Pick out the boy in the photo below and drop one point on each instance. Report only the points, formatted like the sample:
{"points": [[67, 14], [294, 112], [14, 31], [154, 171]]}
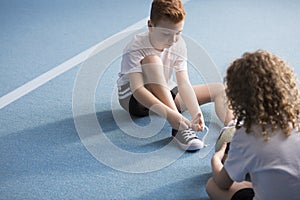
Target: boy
{"points": [[146, 78], [262, 91]]}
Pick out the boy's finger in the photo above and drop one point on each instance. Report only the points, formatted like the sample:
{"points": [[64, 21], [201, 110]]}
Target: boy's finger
{"points": [[197, 118], [184, 124], [197, 127], [201, 128]]}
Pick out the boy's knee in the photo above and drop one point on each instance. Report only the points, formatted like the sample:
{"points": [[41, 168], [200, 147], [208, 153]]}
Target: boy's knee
{"points": [[152, 59], [153, 70], [220, 87]]}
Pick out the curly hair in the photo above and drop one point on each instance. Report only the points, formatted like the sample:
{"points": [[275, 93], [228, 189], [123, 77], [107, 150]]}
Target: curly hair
{"points": [[262, 89], [167, 9]]}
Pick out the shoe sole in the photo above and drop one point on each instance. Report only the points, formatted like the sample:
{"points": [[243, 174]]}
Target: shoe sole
{"points": [[226, 135], [187, 147]]}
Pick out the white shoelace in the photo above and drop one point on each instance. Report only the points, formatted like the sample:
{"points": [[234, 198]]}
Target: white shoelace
{"points": [[206, 129], [189, 134]]}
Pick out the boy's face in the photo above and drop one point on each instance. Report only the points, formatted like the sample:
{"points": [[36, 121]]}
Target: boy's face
{"points": [[165, 33]]}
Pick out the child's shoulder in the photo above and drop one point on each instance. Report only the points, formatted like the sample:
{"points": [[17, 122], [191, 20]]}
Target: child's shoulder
{"points": [[139, 41]]}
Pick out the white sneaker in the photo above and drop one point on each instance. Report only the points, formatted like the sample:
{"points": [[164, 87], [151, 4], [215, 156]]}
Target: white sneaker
{"points": [[226, 135]]}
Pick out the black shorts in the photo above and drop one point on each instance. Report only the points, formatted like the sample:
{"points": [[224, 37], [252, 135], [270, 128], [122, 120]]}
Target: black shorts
{"points": [[138, 110], [243, 194]]}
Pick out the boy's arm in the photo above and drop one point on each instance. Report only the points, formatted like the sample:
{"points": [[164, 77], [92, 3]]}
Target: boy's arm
{"points": [[146, 98], [189, 99]]}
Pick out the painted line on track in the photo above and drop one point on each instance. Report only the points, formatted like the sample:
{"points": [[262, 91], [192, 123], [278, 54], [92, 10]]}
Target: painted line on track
{"points": [[69, 64]]}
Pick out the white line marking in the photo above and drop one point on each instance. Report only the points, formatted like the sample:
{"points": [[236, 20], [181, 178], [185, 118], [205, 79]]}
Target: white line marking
{"points": [[67, 65]]}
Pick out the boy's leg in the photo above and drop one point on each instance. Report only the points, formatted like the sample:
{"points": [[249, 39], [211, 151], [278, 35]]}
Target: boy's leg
{"points": [[155, 82], [214, 192], [131, 105], [212, 92]]}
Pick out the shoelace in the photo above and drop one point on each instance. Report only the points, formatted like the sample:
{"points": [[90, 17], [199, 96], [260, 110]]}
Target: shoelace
{"points": [[189, 134], [206, 129]]}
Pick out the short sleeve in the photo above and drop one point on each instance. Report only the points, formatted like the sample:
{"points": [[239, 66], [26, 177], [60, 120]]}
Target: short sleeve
{"points": [[236, 163], [131, 62]]}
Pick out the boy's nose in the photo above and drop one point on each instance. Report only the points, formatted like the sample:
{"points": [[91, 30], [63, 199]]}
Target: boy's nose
{"points": [[173, 38]]}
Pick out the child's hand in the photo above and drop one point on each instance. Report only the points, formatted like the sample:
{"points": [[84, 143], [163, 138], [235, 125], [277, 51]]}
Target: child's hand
{"points": [[198, 122], [178, 121], [219, 155]]}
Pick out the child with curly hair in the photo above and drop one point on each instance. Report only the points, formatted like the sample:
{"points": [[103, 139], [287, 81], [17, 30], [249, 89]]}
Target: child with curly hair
{"points": [[263, 94]]}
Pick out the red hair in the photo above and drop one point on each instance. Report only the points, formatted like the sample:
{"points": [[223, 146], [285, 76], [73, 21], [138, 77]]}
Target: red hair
{"points": [[167, 10]]}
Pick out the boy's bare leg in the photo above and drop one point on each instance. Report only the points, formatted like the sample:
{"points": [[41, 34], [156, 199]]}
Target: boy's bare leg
{"points": [[153, 71], [212, 92], [155, 82]]}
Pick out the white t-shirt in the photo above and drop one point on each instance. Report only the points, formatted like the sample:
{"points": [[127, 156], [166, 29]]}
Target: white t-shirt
{"points": [[174, 59], [274, 166]]}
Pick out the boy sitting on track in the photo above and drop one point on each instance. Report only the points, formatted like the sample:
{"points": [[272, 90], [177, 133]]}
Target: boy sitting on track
{"points": [[146, 78]]}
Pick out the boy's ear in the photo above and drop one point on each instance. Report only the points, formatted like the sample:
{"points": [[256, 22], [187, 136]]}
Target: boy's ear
{"points": [[150, 25]]}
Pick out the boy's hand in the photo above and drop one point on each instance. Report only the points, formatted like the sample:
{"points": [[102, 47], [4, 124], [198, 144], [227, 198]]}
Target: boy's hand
{"points": [[198, 122], [178, 121]]}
